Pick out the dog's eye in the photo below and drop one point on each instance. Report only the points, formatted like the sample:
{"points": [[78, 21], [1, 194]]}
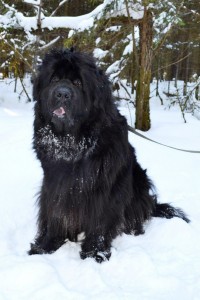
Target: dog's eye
{"points": [[77, 83], [55, 79]]}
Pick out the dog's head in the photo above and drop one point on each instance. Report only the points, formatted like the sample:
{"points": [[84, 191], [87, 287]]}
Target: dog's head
{"points": [[69, 88]]}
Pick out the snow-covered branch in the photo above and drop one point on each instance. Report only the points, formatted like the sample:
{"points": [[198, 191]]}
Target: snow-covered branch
{"points": [[32, 2], [30, 23], [78, 22]]}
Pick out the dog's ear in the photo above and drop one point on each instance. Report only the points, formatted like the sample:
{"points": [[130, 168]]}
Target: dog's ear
{"points": [[103, 90]]}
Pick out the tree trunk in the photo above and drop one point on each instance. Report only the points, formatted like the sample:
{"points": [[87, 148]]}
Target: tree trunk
{"points": [[144, 78], [176, 76], [197, 92], [186, 77]]}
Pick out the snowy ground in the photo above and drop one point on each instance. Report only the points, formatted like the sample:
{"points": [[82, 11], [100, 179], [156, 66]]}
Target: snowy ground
{"points": [[163, 264]]}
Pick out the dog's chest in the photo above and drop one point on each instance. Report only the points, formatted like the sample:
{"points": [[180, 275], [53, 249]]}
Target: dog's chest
{"points": [[64, 148]]}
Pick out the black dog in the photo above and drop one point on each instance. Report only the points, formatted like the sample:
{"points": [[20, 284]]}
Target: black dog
{"points": [[92, 180]]}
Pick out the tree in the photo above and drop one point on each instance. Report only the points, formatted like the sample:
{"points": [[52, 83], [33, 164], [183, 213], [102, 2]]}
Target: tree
{"points": [[144, 78], [133, 40]]}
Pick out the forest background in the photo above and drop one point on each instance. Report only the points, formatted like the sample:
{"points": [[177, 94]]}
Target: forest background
{"points": [[136, 42]]}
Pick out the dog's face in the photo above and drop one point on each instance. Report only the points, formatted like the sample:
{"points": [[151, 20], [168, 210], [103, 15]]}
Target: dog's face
{"points": [[70, 89], [61, 91], [63, 97]]}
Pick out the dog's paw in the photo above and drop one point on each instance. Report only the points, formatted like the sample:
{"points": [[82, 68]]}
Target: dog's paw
{"points": [[36, 249], [102, 256], [99, 256]]}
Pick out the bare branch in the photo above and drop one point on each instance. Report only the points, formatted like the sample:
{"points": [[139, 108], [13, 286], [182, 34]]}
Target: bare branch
{"points": [[174, 63], [50, 43], [59, 6]]}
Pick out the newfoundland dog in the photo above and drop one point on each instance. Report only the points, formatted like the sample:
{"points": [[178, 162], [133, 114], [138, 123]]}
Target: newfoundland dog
{"points": [[92, 181]]}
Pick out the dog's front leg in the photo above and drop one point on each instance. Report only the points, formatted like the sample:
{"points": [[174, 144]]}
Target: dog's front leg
{"points": [[96, 246]]}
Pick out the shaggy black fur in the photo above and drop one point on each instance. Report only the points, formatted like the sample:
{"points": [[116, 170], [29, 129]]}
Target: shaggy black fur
{"points": [[92, 180]]}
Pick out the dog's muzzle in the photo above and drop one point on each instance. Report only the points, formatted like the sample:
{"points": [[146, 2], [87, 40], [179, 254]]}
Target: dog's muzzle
{"points": [[62, 96]]}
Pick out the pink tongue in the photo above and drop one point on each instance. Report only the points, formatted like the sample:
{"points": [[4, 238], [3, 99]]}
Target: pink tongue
{"points": [[59, 111]]}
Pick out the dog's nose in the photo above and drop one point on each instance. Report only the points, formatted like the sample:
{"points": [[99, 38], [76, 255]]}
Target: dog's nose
{"points": [[62, 93]]}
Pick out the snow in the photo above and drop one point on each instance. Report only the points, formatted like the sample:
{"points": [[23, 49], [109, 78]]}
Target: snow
{"points": [[136, 10], [28, 23], [99, 53], [113, 28], [112, 69], [128, 49], [162, 264], [18, 20], [33, 2], [66, 148]]}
